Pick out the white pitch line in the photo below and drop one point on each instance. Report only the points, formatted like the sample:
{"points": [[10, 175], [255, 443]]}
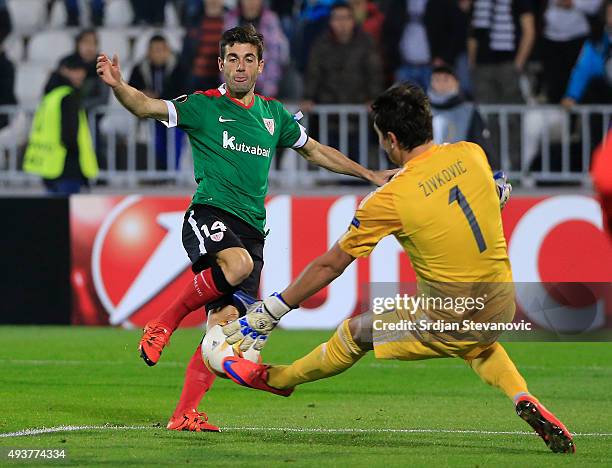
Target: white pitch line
{"points": [[376, 365], [60, 362], [110, 427], [51, 430]]}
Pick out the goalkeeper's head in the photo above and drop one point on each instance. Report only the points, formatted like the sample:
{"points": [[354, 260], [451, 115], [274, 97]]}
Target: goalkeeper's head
{"points": [[402, 119]]}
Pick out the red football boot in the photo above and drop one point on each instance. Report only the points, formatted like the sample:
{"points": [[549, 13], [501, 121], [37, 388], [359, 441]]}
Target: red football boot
{"points": [[191, 421], [156, 335], [252, 375], [548, 427]]}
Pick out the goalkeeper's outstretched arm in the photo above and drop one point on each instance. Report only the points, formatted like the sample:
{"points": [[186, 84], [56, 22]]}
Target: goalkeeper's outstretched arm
{"points": [[262, 316], [133, 100]]}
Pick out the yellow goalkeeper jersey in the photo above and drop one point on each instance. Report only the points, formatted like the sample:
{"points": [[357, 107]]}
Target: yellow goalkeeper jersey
{"points": [[443, 208]]}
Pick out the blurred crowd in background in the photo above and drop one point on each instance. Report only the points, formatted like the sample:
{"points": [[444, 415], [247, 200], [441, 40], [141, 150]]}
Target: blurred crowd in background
{"points": [[325, 51], [322, 51]]}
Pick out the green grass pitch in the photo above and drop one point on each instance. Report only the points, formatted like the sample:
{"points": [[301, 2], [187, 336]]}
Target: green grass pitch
{"points": [[60, 376]]}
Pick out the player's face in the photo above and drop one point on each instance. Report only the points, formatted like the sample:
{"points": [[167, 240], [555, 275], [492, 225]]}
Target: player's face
{"points": [[213, 4], [251, 8], [88, 47], [342, 23], [240, 68], [444, 83], [75, 76], [159, 53]]}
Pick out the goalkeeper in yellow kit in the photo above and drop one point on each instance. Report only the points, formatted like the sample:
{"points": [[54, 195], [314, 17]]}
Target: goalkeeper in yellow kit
{"points": [[443, 207]]}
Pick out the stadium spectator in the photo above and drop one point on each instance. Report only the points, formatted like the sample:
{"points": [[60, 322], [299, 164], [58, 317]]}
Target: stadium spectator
{"points": [[60, 148], [405, 42], [447, 35], [159, 77], [73, 12], [591, 78], [499, 46], [566, 27], [149, 12], [276, 54], [344, 65], [454, 118], [6, 25], [368, 17], [344, 68], [93, 92], [201, 47]]}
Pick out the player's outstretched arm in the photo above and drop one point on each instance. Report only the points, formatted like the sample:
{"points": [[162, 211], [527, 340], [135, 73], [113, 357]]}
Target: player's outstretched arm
{"points": [[333, 160], [262, 316], [133, 100]]}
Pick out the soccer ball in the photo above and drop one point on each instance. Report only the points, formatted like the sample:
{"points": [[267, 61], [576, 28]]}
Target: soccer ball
{"points": [[215, 349]]}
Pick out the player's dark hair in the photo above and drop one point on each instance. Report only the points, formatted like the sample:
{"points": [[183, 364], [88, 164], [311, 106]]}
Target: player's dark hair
{"points": [[404, 110], [340, 4], [444, 69], [85, 32], [246, 34], [157, 38], [72, 62]]}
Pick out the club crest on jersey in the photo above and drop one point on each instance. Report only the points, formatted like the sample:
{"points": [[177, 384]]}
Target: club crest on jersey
{"points": [[269, 123]]}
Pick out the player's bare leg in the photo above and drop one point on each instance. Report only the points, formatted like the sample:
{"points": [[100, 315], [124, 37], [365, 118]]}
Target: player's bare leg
{"points": [[495, 367], [352, 340], [233, 266], [198, 380]]}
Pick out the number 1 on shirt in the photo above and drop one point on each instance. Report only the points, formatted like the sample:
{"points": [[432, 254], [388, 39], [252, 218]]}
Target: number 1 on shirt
{"points": [[456, 195]]}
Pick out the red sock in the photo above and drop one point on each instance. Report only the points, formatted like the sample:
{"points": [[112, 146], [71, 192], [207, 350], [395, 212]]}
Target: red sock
{"points": [[198, 379], [196, 294]]}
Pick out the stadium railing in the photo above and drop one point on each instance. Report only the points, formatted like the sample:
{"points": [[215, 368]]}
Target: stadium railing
{"points": [[533, 144]]}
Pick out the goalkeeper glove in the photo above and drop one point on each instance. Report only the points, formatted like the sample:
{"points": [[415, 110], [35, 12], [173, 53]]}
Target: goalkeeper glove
{"points": [[260, 319], [504, 188]]}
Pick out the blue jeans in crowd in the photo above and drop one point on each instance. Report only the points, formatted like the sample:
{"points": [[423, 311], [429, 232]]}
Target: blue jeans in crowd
{"points": [[417, 74], [63, 186], [72, 9], [161, 146]]}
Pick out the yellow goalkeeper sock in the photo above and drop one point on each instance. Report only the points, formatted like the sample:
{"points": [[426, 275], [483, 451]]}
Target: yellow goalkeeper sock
{"points": [[327, 359], [495, 367]]}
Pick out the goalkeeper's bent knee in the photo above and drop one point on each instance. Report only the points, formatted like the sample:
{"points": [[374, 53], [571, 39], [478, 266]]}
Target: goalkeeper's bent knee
{"points": [[328, 359]]}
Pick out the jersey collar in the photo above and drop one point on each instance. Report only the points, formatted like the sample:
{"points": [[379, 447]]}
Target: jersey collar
{"points": [[422, 156], [225, 92]]}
